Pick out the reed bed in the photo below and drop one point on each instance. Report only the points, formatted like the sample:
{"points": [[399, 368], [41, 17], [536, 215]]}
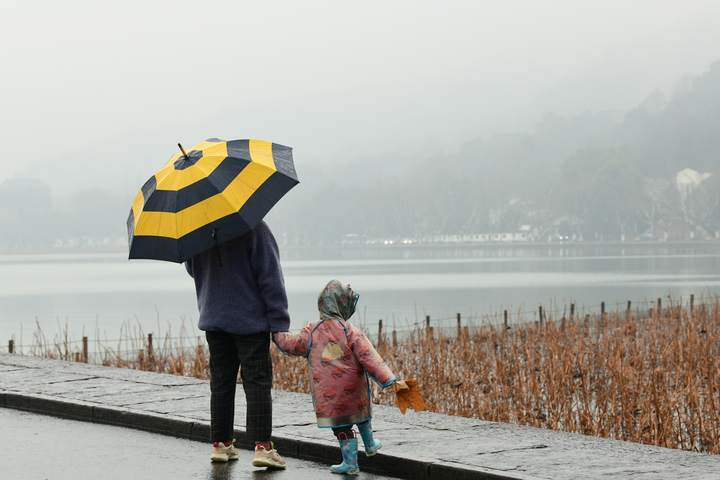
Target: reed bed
{"points": [[649, 377]]}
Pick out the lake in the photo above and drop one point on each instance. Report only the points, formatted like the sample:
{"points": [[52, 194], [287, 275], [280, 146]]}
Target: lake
{"points": [[96, 293]]}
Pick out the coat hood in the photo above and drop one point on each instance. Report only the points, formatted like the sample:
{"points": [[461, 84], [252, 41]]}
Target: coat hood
{"points": [[337, 301]]}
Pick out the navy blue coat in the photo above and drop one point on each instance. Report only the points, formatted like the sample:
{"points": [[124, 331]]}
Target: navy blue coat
{"points": [[240, 287]]}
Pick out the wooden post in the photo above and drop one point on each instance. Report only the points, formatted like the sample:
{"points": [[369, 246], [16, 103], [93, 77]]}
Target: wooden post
{"points": [[659, 306], [505, 319], [459, 325], [572, 311], [11, 346], [540, 314], [628, 312], [85, 349], [150, 350], [394, 338], [602, 309], [692, 303], [427, 322]]}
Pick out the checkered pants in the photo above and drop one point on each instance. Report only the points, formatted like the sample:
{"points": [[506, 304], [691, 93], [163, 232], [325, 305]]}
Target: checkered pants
{"points": [[251, 355]]}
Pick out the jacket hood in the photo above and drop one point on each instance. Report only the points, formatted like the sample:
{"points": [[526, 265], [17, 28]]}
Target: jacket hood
{"points": [[337, 301]]}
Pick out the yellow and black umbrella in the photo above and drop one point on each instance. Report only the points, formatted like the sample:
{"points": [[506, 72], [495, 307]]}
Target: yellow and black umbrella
{"points": [[217, 191]]}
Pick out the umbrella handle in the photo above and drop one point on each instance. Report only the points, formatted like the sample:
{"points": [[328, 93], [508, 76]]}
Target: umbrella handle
{"points": [[217, 246]]}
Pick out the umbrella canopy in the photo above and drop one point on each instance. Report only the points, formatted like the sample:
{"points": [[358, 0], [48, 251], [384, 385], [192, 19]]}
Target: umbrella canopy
{"points": [[217, 191]]}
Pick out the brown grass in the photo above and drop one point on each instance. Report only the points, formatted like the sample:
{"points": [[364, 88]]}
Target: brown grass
{"points": [[649, 378]]}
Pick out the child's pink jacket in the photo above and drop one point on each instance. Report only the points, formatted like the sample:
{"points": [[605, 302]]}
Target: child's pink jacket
{"points": [[341, 358]]}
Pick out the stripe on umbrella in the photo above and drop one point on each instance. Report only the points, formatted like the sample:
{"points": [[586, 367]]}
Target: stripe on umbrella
{"points": [[238, 157], [176, 225], [185, 220], [175, 200], [284, 160], [226, 228]]}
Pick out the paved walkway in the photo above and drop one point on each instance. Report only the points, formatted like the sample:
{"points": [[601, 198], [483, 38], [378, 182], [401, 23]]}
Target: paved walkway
{"points": [[116, 453], [417, 445]]}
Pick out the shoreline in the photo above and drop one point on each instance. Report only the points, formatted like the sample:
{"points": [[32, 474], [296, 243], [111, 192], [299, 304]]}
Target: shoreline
{"points": [[418, 246]]}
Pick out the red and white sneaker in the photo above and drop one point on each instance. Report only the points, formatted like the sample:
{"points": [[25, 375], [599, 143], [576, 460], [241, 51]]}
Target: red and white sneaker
{"points": [[268, 458], [224, 453]]}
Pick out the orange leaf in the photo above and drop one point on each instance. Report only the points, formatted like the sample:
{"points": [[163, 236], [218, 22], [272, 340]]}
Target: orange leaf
{"points": [[411, 397]]}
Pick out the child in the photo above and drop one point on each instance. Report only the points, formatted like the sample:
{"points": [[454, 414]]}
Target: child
{"points": [[341, 358]]}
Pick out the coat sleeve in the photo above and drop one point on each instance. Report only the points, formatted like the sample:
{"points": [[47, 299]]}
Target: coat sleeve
{"points": [[369, 358], [265, 260], [294, 343]]}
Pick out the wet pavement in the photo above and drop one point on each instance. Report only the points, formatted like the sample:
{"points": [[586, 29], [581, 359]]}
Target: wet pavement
{"points": [[34, 446]]}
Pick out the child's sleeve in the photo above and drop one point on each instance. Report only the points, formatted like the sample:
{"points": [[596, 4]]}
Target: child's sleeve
{"points": [[294, 343], [369, 358]]}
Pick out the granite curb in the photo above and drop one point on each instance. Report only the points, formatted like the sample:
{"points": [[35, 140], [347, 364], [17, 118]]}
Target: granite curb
{"points": [[290, 446]]}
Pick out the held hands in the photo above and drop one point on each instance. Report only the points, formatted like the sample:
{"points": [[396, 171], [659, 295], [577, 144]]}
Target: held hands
{"points": [[399, 386], [407, 395]]}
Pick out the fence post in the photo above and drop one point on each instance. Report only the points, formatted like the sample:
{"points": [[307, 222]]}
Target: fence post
{"points": [[150, 350], [505, 319], [572, 311], [692, 303], [659, 306], [427, 322], [85, 349], [459, 325], [540, 314], [379, 340], [11, 346], [394, 338], [628, 311], [602, 309]]}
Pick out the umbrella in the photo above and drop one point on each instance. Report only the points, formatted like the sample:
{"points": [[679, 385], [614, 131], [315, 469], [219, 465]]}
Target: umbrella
{"points": [[217, 191]]}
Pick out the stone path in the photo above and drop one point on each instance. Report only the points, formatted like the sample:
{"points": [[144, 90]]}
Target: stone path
{"points": [[417, 445], [115, 453]]}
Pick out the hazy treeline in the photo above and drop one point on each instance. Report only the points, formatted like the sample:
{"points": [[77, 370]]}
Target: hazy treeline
{"points": [[600, 175]]}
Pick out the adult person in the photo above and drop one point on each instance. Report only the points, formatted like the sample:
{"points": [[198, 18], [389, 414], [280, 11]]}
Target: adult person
{"points": [[242, 301]]}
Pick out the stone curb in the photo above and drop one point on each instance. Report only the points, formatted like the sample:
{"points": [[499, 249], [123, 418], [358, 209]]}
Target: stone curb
{"points": [[295, 447]]}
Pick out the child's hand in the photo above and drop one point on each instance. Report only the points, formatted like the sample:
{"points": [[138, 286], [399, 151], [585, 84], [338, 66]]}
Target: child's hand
{"points": [[409, 397], [399, 386]]}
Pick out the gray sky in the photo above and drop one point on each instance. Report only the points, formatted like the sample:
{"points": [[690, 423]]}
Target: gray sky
{"points": [[93, 90]]}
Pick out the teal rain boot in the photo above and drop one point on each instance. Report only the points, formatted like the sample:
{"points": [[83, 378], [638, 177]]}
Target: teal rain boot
{"points": [[349, 465], [371, 445]]}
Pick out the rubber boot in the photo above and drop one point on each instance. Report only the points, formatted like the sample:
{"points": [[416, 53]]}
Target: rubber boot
{"points": [[371, 445], [349, 465]]}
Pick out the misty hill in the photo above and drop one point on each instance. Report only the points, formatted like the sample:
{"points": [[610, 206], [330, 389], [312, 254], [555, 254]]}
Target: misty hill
{"points": [[649, 173], [596, 176]]}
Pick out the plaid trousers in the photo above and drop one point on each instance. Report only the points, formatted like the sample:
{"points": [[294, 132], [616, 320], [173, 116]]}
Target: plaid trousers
{"points": [[251, 355]]}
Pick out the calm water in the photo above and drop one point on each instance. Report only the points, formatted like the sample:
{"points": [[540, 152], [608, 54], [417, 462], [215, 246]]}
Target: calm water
{"points": [[99, 292]]}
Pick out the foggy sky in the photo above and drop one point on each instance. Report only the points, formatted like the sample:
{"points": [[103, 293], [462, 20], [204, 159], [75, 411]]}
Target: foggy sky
{"points": [[98, 95]]}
